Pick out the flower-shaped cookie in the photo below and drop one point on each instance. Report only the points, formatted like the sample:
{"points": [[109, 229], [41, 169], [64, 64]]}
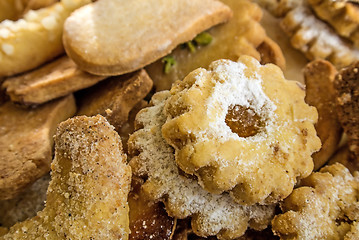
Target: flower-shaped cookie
{"points": [[241, 127], [212, 214], [326, 207]]}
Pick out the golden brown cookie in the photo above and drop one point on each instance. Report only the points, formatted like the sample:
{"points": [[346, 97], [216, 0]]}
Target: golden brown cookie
{"points": [[316, 39], [26, 142], [347, 91], [56, 79], [133, 34], [319, 80], [115, 97], [325, 207], [343, 16], [242, 34], [34, 39], [87, 195], [241, 127], [154, 160]]}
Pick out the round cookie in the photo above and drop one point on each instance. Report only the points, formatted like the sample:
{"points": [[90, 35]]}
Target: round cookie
{"points": [[241, 127], [154, 160]]}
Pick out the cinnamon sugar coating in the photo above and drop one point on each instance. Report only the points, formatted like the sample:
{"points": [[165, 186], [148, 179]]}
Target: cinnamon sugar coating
{"points": [[241, 127], [87, 195], [325, 207]]}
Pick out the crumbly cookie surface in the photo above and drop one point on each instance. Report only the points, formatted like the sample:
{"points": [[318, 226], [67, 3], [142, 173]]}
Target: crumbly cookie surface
{"points": [[241, 127], [26, 142], [343, 16], [326, 207], [347, 101], [319, 78], [90, 181], [154, 159], [316, 39], [133, 34]]}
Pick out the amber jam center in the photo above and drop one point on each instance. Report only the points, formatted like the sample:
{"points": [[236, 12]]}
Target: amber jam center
{"points": [[243, 121]]}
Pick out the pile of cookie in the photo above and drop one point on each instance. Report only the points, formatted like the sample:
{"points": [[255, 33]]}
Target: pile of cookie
{"points": [[175, 120]]}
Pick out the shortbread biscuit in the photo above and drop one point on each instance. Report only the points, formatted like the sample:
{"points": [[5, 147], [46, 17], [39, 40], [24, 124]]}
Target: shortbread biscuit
{"points": [[26, 142], [343, 16], [242, 34], [34, 39], [325, 207], [90, 181], [347, 98], [26, 205], [316, 39], [115, 97], [56, 79], [241, 127], [133, 34], [154, 159], [319, 80]]}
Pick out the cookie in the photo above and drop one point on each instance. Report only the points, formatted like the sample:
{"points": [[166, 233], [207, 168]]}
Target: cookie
{"points": [[34, 39], [90, 181], [325, 207], [242, 34], [120, 41], [242, 127], [343, 16], [53, 80], [347, 100], [115, 97], [319, 80], [26, 142], [154, 160], [316, 39]]}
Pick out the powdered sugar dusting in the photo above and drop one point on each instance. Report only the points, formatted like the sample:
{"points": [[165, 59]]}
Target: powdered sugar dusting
{"points": [[184, 197], [240, 89], [317, 39]]}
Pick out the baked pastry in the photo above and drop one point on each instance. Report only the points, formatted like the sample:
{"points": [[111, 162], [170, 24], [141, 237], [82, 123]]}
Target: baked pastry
{"points": [[53, 80], [87, 195], [316, 39], [319, 81], [347, 98], [242, 34], [26, 142], [115, 97], [343, 16], [325, 207], [34, 39], [241, 127], [133, 34], [154, 160]]}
